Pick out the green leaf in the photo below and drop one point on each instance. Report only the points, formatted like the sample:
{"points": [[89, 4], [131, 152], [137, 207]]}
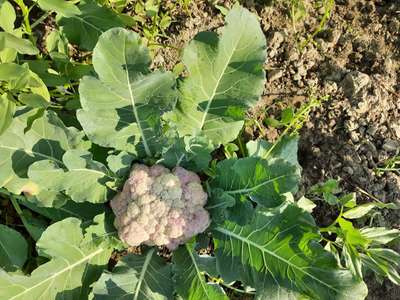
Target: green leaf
{"points": [[226, 77], [136, 277], [85, 28], [380, 235], [20, 146], [121, 163], [352, 260], [363, 209], [34, 225], [31, 88], [256, 179], [280, 248], [122, 108], [84, 211], [7, 16], [306, 204], [285, 148], [61, 7], [56, 41], [190, 152], [7, 109], [384, 262], [351, 235], [8, 40], [189, 275], [74, 265], [13, 249], [77, 167]]}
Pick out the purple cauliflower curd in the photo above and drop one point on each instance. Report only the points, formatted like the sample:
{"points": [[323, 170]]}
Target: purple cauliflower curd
{"points": [[160, 207]]}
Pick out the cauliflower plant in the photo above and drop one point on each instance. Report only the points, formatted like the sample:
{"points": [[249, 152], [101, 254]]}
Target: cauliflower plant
{"points": [[160, 207]]}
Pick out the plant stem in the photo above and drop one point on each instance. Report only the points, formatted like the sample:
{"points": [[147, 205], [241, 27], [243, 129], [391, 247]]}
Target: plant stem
{"points": [[25, 14], [18, 210], [41, 19]]}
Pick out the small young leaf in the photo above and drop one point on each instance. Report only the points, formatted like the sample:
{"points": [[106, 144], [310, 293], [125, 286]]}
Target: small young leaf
{"points": [[13, 249], [121, 163], [8, 40], [192, 153], [7, 16], [286, 148], [306, 204]]}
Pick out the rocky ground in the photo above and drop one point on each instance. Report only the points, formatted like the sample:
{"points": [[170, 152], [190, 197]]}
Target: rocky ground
{"points": [[354, 62]]}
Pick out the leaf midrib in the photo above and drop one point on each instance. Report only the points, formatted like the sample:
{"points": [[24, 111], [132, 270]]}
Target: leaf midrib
{"points": [[54, 275], [134, 110], [211, 98], [197, 270], [143, 272], [259, 247], [248, 190]]}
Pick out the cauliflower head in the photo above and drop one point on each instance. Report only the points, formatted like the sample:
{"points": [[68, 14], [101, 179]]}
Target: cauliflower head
{"points": [[160, 207]]}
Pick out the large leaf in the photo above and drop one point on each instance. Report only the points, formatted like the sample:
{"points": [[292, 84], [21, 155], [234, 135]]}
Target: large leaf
{"points": [[13, 249], [74, 264], [189, 275], [85, 28], [77, 167], [280, 248], [47, 138], [225, 78], [136, 277], [255, 179], [122, 108]]}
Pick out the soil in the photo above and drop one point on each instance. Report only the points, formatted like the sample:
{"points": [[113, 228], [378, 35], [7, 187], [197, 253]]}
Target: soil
{"points": [[354, 61]]}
